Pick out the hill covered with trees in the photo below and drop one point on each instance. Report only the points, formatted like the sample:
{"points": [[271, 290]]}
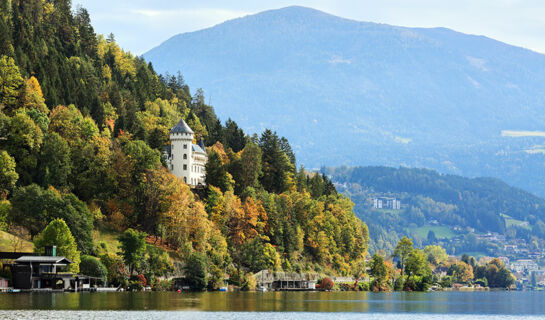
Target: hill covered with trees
{"points": [[82, 127], [477, 205]]}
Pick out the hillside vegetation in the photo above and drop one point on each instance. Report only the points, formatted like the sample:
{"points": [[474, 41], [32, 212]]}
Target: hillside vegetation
{"points": [[82, 126], [482, 204]]}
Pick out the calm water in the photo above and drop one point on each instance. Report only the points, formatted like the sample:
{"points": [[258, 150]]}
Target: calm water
{"points": [[289, 305]]}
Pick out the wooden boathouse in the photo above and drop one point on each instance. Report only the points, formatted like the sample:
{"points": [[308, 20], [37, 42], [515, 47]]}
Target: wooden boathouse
{"points": [[286, 281]]}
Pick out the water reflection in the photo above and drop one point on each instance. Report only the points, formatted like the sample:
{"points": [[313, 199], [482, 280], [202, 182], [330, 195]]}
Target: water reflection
{"points": [[513, 303]]}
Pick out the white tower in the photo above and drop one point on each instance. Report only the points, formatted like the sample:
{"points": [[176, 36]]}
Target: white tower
{"points": [[181, 153]]}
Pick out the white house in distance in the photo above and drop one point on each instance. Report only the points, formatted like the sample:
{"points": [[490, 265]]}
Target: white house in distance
{"points": [[185, 159]]}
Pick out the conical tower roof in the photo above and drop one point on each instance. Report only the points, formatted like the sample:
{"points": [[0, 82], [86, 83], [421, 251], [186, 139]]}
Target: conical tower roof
{"points": [[181, 127]]}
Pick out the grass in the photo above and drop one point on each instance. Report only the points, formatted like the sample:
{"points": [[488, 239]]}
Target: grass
{"points": [[108, 237], [509, 221], [441, 232], [6, 241]]}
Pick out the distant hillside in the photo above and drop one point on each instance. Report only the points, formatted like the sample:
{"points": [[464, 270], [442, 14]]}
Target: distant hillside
{"points": [[358, 93], [442, 203]]}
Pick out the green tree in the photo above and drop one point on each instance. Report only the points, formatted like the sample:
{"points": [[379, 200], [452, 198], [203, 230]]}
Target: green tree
{"points": [[133, 248], [402, 250], [417, 264], [196, 271], [379, 270], [216, 173], [419, 271], [436, 254], [142, 156], [259, 256], [251, 163], [277, 168], [91, 266], [158, 262], [10, 82], [8, 174], [58, 234], [34, 207], [55, 163], [23, 141], [234, 136]]}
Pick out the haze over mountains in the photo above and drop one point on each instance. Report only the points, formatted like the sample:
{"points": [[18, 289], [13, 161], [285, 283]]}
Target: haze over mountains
{"points": [[358, 93]]}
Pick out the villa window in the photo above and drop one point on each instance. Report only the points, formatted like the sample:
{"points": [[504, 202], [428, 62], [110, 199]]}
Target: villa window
{"points": [[185, 166], [185, 179], [185, 156], [185, 146]]}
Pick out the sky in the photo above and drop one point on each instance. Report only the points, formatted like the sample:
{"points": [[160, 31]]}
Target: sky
{"points": [[140, 25]]}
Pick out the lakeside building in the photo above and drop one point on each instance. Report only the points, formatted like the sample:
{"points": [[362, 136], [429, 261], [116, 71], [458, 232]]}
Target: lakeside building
{"points": [[45, 273], [286, 281], [386, 203], [185, 159]]}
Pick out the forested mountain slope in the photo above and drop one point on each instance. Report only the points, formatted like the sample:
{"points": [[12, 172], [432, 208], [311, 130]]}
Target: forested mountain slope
{"points": [[429, 198], [82, 127], [359, 93]]}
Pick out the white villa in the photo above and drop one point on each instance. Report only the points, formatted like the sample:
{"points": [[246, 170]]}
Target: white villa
{"points": [[185, 159]]}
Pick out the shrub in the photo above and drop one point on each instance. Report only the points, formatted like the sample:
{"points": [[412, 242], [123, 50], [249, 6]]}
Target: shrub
{"points": [[91, 266], [327, 284]]}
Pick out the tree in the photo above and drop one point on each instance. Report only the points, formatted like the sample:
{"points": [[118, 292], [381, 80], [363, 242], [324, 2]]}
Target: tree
{"points": [[58, 234], [55, 162], [436, 254], [8, 175], [259, 256], [133, 248], [91, 266], [158, 262], [461, 272], [23, 141], [431, 237], [402, 250], [33, 97], [216, 173], [234, 136], [419, 271], [34, 207], [195, 271], [277, 169], [10, 83], [417, 264], [379, 271], [251, 164]]}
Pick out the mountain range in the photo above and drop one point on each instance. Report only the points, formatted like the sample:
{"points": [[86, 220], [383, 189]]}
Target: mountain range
{"points": [[351, 93]]}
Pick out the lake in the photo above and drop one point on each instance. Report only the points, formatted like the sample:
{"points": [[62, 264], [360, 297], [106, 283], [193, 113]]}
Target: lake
{"points": [[286, 305]]}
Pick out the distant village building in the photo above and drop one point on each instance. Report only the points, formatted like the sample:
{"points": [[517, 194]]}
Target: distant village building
{"points": [[525, 266], [386, 203], [185, 159]]}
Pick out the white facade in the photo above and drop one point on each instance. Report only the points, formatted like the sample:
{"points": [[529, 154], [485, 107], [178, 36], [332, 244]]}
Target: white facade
{"points": [[185, 159], [386, 203]]}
